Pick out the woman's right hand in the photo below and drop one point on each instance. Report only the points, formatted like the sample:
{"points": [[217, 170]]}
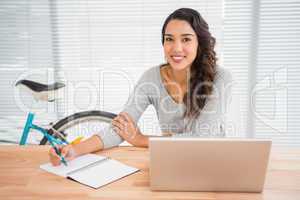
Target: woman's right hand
{"points": [[68, 152]]}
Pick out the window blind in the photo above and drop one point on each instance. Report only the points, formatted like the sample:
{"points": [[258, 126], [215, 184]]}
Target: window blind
{"points": [[261, 46], [237, 41], [25, 53], [25, 47], [278, 71]]}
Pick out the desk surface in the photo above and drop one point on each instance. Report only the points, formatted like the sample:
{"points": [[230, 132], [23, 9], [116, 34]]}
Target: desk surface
{"points": [[21, 178]]}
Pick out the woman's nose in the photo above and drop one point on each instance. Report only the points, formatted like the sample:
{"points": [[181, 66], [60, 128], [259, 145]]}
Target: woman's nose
{"points": [[177, 47]]}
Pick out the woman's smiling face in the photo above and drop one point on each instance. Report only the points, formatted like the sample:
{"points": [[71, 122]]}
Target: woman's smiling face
{"points": [[180, 44]]}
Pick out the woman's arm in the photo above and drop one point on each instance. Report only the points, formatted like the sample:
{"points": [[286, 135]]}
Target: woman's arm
{"points": [[69, 152], [125, 126], [89, 145], [144, 140]]}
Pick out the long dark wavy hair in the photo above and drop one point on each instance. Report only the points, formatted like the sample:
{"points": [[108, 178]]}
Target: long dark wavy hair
{"points": [[203, 69]]}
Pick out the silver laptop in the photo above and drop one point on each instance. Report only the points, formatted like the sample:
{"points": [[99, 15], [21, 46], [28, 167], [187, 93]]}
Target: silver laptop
{"points": [[196, 164]]}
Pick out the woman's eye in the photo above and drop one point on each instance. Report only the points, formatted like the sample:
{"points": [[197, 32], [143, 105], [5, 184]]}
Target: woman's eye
{"points": [[186, 39], [168, 39]]}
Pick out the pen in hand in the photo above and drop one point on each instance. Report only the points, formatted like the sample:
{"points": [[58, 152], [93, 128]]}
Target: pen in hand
{"points": [[61, 154], [63, 160]]}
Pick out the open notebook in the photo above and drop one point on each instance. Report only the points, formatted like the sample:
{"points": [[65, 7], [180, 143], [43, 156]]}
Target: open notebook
{"points": [[91, 170]]}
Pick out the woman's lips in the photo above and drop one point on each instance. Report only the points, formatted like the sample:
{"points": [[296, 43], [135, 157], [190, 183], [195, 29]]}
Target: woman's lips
{"points": [[177, 59]]}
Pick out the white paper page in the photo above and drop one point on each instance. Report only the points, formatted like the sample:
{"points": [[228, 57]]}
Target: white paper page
{"points": [[103, 173], [73, 165]]}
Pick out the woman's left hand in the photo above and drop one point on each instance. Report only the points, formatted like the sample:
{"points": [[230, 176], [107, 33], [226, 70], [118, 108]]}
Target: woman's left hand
{"points": [[124, 125]]}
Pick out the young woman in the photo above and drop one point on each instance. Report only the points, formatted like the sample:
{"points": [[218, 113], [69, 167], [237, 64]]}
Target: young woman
{"points": [[189, 92]]}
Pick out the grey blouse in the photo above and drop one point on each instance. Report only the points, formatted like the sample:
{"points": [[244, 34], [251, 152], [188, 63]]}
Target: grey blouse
{"points": [[150, 90]]}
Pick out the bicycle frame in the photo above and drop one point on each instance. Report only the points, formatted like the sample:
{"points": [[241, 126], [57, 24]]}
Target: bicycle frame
{"points": [[29, 125], [27, 128]]}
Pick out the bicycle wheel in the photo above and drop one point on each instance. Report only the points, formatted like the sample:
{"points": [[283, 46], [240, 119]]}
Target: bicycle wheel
{"points": [[84, 123]]}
